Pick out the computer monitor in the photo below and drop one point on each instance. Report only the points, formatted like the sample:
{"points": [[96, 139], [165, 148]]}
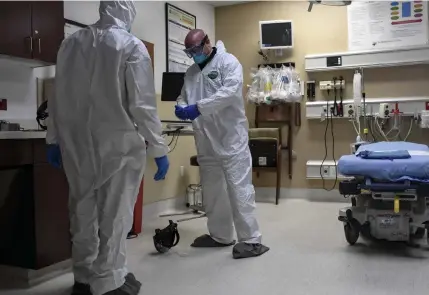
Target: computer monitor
{"points": [[172, 84], [275, 34]]}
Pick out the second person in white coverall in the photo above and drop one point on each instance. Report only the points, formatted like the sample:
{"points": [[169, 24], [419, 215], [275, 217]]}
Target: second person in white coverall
{"points": [[212, 98], [103, 112]]}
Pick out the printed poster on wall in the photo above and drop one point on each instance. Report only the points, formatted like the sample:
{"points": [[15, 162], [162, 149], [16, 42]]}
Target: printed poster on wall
{"points": [[387, 24], [179, 23]]}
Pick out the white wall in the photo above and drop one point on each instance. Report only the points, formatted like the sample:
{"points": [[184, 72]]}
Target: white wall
{"points": [[149, 24], [18, 85]]}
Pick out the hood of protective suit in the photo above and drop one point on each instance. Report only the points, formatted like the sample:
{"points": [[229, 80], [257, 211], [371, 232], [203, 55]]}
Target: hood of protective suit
{"points": [[120, 13], [220, 47]]}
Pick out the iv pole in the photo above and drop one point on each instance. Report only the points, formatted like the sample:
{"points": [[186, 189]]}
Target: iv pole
{"points": [[365, 129]]}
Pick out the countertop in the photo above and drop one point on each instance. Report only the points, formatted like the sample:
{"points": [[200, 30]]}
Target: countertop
{"points": [[22, 134]]}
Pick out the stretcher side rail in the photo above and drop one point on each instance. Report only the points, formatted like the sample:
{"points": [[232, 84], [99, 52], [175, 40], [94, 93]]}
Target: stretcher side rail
{"points": [[356, 186]]}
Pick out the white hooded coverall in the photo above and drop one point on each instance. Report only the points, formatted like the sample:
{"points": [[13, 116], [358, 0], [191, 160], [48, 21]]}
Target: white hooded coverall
{"points": [[221, 136], [103, 112]]}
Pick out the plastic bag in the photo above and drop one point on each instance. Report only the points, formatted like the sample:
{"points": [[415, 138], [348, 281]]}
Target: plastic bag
{"points": [[276, 91], [266, 85], [253, 89], [274, 86], [282, 88], [294, 92]]}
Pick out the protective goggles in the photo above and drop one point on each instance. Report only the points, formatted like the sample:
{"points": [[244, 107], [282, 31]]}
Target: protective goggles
{"points": [[196, 49]]}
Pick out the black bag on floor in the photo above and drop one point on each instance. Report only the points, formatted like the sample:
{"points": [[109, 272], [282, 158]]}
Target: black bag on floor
{"points": [[167, 238]]}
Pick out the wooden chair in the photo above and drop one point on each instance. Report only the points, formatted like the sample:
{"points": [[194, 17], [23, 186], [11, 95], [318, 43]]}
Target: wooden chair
{"points": [[274, 136]]}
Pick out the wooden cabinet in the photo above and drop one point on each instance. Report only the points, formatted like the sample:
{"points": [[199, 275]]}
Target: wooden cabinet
{"points": [[15, 28], [48, 29], [34, 220], [31, 29], [151, 50], [17, 217], [51, 227]]}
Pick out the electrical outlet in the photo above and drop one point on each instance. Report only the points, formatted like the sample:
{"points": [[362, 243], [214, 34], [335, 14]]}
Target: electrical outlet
{"points": [[326, 171], [326, 85], [323, 114], [349, 110], [384, 110], [329, 85]]}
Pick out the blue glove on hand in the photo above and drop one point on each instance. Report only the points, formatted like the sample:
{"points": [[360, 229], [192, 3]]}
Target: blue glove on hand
{"points": [[180, 113], [192, 112], [54, 156], [163, 165]]}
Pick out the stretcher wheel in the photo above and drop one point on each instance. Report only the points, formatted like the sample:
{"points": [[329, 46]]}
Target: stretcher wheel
{"points": [[351, 234]]}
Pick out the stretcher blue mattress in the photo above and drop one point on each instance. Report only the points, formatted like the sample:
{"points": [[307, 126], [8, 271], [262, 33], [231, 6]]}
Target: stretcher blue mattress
{"points": [[415, 168]]}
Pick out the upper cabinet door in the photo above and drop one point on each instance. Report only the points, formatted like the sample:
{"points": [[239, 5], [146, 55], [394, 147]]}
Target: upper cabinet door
{"points": [[48, 29], [15, 28]]}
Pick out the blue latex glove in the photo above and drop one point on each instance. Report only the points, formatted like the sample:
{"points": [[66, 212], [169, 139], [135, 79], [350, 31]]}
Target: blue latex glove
{"points": [[180, 112], [54, 156], [192, 112], [163, 165]]}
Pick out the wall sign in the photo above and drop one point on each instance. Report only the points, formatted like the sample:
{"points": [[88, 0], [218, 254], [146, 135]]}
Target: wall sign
{"points": [[178, 23], [387, 24]]}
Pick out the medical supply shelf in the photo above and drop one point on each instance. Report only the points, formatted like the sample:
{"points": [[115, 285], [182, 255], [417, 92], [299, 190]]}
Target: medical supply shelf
{"points": [[367, 59], [297, 105], [278, 65]]}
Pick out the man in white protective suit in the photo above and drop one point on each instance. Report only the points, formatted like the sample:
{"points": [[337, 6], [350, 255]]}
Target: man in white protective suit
{"points": [[212, 98], [103, 113]]}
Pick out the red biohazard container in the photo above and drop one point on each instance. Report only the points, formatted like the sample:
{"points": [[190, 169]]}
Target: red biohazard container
{"points": [[138, 212]]}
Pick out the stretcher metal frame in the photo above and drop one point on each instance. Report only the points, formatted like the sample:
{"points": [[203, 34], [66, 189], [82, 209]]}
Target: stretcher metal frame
{"points": [[383, 210]]}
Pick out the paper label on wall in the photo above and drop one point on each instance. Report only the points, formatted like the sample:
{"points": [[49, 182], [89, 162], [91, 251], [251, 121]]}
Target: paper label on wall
{"points": [[387, 24]]}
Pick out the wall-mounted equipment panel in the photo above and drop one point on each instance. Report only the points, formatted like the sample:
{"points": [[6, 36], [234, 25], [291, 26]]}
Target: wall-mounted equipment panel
{"points": [[367, 59]]}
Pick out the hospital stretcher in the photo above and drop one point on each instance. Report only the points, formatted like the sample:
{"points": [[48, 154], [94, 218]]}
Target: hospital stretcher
{"points": [[389, 197]]}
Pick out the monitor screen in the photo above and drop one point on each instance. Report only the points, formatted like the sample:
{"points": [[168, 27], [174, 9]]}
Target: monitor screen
{"points": [[172, 84], [276, 34]]}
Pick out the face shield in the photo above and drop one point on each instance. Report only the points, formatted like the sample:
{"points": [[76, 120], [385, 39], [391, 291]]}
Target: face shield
{"points": [[196, 49]]}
